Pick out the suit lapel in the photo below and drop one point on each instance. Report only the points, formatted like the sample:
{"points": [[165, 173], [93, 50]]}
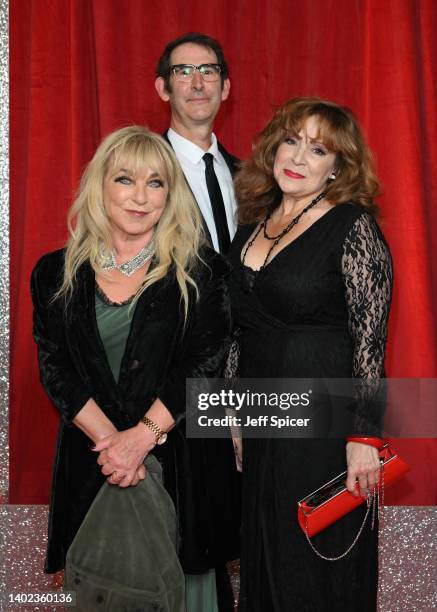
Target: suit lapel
{"points": [[231, 161]]}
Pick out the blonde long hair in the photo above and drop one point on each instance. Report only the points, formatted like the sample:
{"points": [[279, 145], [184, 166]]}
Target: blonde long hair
{"points": [[178, 233]]}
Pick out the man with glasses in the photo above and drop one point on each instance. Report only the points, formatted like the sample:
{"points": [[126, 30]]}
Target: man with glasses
{"points": [[192, 76]]}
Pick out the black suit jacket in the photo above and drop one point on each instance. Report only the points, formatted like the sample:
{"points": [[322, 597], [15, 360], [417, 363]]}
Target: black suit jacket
{"points": [[161, 352], [232, 163]]}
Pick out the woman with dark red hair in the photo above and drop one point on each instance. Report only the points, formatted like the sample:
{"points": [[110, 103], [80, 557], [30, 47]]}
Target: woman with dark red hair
{"points": [[311, 293]]}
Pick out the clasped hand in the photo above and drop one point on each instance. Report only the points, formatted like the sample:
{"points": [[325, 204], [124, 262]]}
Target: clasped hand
{"points": [[122, 454]]}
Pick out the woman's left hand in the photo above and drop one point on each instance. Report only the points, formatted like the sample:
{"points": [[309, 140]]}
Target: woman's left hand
{"points": [[121, 454], [362, 465]]}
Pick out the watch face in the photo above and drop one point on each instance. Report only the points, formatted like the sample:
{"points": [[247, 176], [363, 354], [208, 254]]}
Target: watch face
{"points": [[162, 438]]}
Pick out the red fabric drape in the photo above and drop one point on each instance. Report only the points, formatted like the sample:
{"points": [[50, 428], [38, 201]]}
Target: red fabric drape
{"points": [[80, 68]]}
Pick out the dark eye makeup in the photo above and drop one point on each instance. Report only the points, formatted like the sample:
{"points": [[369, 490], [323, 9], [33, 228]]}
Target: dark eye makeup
{"points": [[126, 180], [292, 140], [319, 151], [156, 182]]}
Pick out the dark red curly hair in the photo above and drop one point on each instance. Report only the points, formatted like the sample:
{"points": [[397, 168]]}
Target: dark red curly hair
{"points": [[255, 185]]}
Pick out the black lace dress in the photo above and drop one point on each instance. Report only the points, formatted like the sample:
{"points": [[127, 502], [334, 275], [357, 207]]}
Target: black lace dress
{"points": [[318, 309]]}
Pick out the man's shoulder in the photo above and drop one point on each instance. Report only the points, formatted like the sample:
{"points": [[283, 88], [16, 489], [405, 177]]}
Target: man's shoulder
{"points": [[231, 160]]}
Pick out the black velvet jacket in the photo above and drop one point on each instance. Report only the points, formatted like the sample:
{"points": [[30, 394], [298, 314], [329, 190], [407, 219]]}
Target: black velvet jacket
{"points": [[160, 354]]}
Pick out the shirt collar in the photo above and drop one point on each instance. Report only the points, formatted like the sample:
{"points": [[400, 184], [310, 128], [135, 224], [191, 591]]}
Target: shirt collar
{"points": [[191, 151]]}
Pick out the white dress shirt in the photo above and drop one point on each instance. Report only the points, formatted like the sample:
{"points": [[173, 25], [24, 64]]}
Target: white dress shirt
{"points": [[190, 158]]}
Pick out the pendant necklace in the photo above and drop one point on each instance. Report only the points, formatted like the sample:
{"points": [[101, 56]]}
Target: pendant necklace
{"points": [[132, 265], [276, 239]]}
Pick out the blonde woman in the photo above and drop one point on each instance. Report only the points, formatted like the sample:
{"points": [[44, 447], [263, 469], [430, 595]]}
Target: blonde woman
{"points": [[125, 313]]}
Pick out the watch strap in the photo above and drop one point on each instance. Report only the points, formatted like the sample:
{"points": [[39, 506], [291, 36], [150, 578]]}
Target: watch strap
{"points": [[154, 428]]}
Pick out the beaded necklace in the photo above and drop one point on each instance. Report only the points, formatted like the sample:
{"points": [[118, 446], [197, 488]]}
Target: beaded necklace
{"points": [[277, 239]]}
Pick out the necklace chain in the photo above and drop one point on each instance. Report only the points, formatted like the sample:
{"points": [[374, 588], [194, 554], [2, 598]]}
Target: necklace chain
{"points": [[277, 239], [293, 222], [132, 265]]}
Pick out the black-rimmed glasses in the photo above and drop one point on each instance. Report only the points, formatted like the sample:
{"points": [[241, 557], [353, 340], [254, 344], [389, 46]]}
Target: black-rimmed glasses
{"points": [[185, 72]]}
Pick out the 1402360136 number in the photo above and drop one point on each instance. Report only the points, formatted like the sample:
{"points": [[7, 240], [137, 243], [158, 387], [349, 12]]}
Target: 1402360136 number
{"points": [[53, 597]]}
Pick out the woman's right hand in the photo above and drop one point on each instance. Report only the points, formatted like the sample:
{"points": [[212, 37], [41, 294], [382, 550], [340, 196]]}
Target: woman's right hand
{"points": [[140, 475], [96, 425], [117, 478], [121, 454]]}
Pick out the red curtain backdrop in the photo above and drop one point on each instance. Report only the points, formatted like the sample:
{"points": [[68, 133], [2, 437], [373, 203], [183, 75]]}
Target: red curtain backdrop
{"points": [[81, 68]]}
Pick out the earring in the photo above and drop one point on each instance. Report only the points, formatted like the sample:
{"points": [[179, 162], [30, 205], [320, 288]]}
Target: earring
{"points": [[333, 176]]}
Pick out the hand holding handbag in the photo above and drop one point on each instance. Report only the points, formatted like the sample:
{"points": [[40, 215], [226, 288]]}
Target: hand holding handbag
{"points": [[332, 501]]}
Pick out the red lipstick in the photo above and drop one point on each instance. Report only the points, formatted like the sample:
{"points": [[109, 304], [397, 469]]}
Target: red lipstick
{"points": [[294, 175]]}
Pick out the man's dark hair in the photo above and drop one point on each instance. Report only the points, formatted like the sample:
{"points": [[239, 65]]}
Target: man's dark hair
{"points": [[163, 67]]}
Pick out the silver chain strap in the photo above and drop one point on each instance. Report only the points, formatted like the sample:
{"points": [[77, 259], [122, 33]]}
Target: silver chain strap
{"points": [[375, 502]]}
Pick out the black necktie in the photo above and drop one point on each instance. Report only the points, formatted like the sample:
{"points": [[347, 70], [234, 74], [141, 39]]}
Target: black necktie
{"points": [[217, 204]]}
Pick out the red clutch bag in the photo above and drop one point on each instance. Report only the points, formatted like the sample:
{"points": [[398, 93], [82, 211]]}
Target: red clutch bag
{"points": [[323, 507]]}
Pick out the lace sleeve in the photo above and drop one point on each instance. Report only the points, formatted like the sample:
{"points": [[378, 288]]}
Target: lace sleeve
{"points": [[367, 274], [231, 367]]}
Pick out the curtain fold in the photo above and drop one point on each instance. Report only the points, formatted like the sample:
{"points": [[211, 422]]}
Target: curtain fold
{"points": [[81, 68]]}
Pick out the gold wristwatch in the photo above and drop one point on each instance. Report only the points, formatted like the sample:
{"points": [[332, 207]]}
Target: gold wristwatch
{"points": [[161, 436]]}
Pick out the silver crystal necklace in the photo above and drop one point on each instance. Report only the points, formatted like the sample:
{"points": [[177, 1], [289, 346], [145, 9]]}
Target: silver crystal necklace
{"points": [[130, 266]]}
